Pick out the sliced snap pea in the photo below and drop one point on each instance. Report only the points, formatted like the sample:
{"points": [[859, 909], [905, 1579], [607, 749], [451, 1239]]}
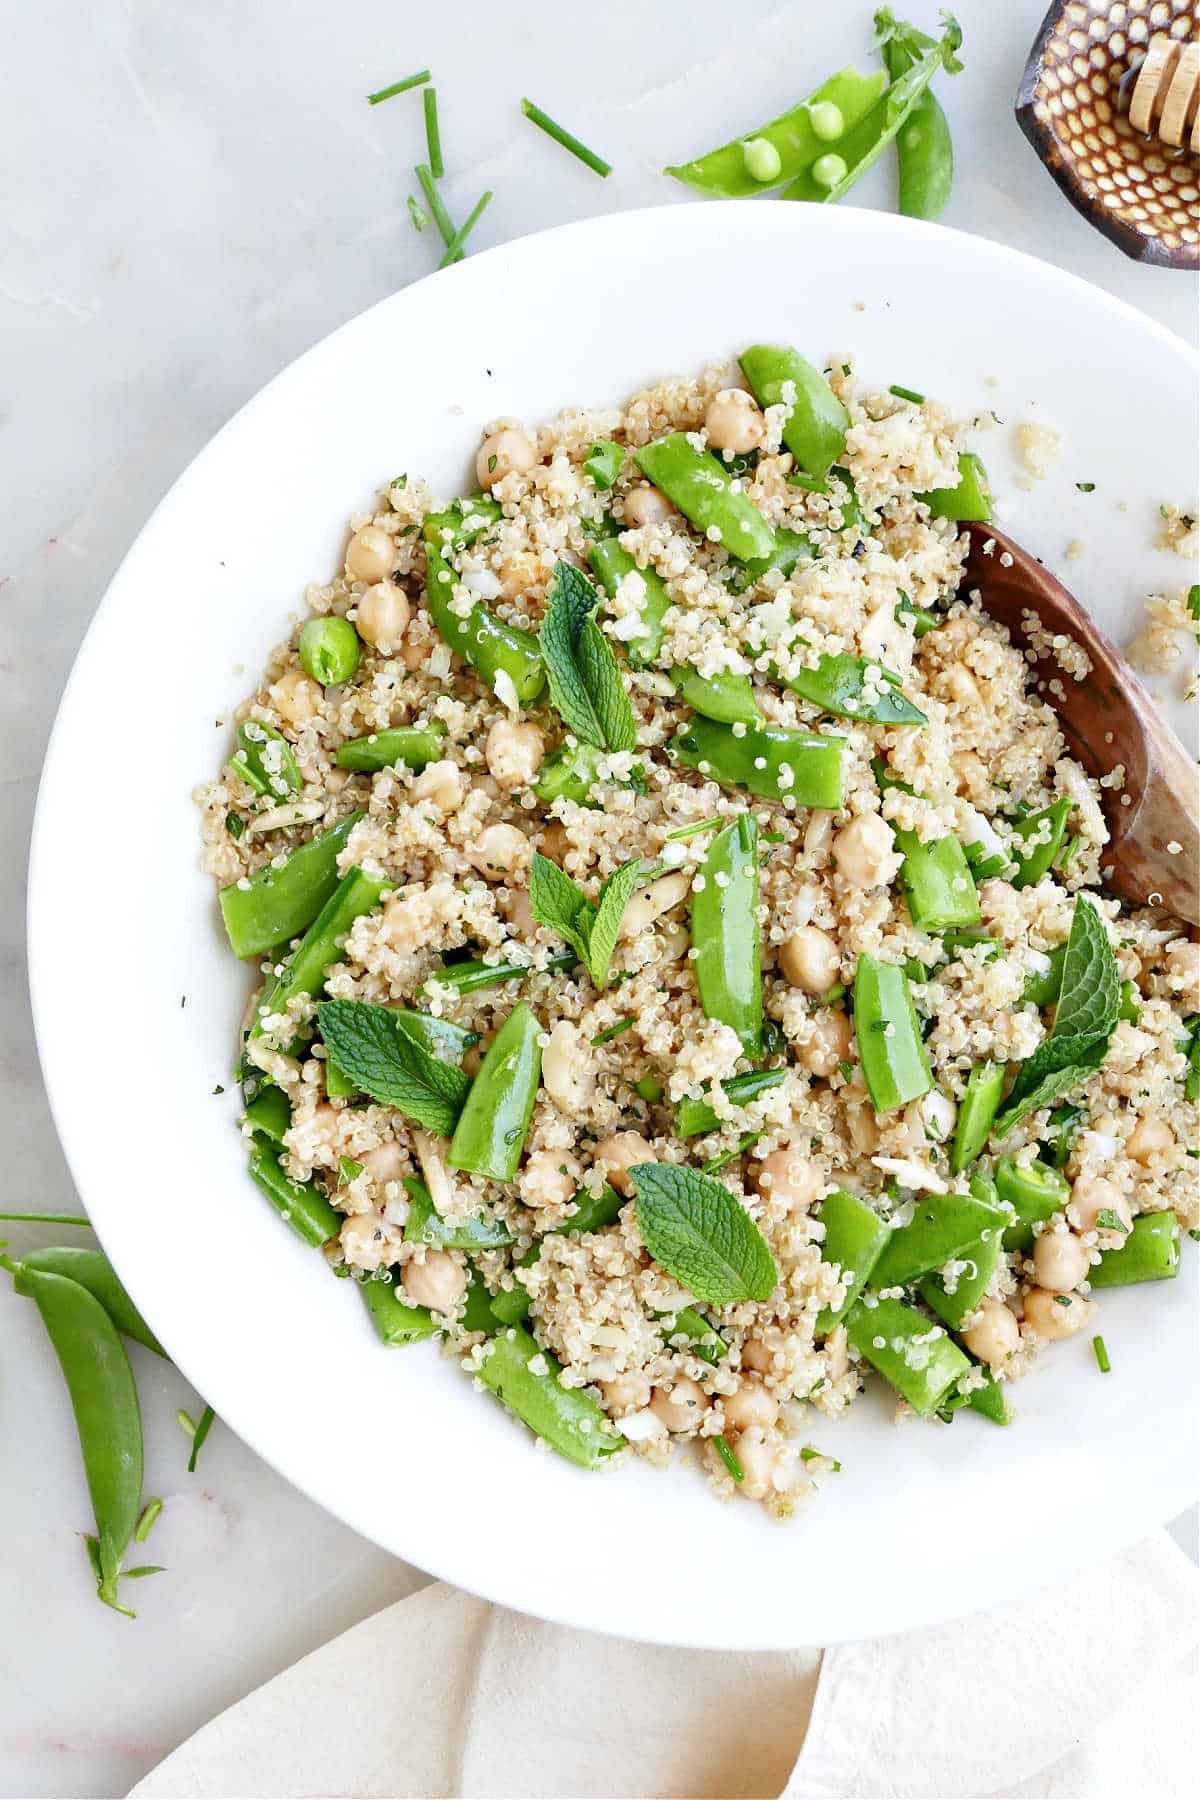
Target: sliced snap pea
{"points": [[894, 1064], [954, 942], [565, 1418], [265, 761], [592, 1213], [395, 1321], [853, 688], [792, 550], [440, 1037], [703, 490], [855, 1239], [425, 1225], [694, 1117], [412, 745], [93, 1271], [499, 652], [475, 977], [990, 1400], [1042, 986], [924, 147], [969, 499], [816, 427], [278, 903], [270, 1112], [568, 773], [323, 944], [979, 1263], [703, 1338], [338, 1085], [611, 564], [916, 1356], [302, 1204], [1041, 836], [1064, 1123], [494, 1121], [725, 933], [794, 136], [1150, 1253], [942, 1226], [1034, 1191], [976, 1111], [727, 698], [477, 1313], [767, 761], [1129, 1007], [937, 882], [603, 462]]}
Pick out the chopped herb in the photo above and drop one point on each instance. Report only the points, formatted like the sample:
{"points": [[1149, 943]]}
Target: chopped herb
{"points": [[198, 1436], [721, 1446], [1193, 600], [1108, 1220], [150, 1512], [433, 136], [492, 461], [1087, 487], [809, 1454], [400, 481], [903, 393], [542, 120], [454, 248], [218, 1089], [399, 87], [1069, 852], [1062, 1300], [348, 1170], [604, 1037], [847, 1071], [649, 1088], [234, 825], [1102, 1361]]}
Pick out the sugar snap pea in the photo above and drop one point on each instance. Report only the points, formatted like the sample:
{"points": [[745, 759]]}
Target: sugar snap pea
{"points": [[937, 882], [395, 1321], [1041, 836], [495, 649], [425, 1225], [276, 904], [1042, 985], [568, 773], [1035, 1192], [494, 1121], [702, 1337], [924, 147], [793, 136], [694, 1117], [942, 1226], [977, 1265], [851, 687], [1150, 1252], [727, 698], [270, 1111], [976, 1111], [265, 761], [792, 550], [703, 490], [816, 426], [93, 1271], [526, 1379], [611, 565], [894, 1064], [768, 761], [302, 1204], [323, 944], [413, 745], [969, 498], [855, 1238], [915, 1355], [725, 932]]}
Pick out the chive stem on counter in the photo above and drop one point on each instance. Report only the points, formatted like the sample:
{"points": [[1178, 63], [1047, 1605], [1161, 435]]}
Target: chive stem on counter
{"points": [[399, 87], [433, 135], [454, 248], [562, 136]]}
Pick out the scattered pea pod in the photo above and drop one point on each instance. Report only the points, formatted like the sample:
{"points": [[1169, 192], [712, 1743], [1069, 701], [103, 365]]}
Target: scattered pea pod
{"points": [[412, 745], [695, 1117], [976, 1112], [93, 1271], [920, 1361], [977, 1265], [942, 1226], [852, 687], [725, 172], [1034, 1191], [394, 1320], [425, 1225], [855, 1238], [264, 760], [498, 651], [302, 1204], [937, 882], [969, 499], [894, 1064], [1150, 1253], [924, 148], [323, 944]]}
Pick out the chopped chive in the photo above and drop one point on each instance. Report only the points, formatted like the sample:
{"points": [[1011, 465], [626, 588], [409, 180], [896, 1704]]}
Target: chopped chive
{"points": [[1098, 1345], [687, 831], [45, 1218], [545, 123], [150, 1512], [186, 1422], [1086, 487], [441, 217], [198, 1436], [721, 1445], [740, 1148], [433, 136], [903, 393], [399, 87], [417, 214], [604, 1037], [454, 248]]}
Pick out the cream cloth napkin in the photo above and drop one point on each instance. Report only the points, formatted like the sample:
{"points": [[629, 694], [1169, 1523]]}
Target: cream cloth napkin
{"points": [[1087, 1691]]}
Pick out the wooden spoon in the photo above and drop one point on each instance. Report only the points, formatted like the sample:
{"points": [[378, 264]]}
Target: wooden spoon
{"points": [[1107, 718]]}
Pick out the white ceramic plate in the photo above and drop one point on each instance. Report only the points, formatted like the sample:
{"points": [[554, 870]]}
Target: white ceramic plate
{"points": [[924, 1522]]}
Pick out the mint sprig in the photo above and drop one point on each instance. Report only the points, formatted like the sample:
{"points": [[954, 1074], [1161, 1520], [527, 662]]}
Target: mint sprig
{"points": [[591, 927], [373, 1050], [701, 1234], [1085, 1018], [585, 682]]}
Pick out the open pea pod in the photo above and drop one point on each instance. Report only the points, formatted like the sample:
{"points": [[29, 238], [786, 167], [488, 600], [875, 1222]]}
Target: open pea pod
{"points": [[724, 172]]}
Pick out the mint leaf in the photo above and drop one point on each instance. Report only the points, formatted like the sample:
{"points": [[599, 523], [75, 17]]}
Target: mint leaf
{"points": [[1085, 1018], [559, 904], [585, 682], [697, 1231], [606, 925], [381, 1060], [1050, 1088]]}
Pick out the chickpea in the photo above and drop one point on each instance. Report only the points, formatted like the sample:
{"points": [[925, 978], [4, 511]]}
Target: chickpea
{"points": [[994, 1335], [1183, 971], [370, 554], [521, 575], [616, 1155], [1149, 1138], [438, 1282], [756, 1356], [295, 697], [404, 924], [1054, 1316], [518, 910], [681, 1406], [790, 1178], [757, 1458], [514, 752], [1094, 1194], [414, 654], [733, 422], [751, 1405], [647, 506], [864, 1132], [442, 784], [368, 1241], [1060, 1261], [381, 615], [385, 1163], [625, 1393], [652, 901], [502, 453], [828, 1043], [500, 850], [566, 1070], [863, 851], [810, 960], [549, 1178], [554, 841]]}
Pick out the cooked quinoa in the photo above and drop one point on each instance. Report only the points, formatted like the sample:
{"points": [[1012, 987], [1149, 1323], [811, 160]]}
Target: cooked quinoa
{"points": [[455, 841]]}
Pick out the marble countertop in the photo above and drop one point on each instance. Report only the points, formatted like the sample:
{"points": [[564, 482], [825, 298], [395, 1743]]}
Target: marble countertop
{"points": [[194, 196]]}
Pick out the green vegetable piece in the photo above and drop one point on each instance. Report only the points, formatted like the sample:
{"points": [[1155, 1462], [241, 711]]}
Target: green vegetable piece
{"points": [[816, 427], [976, 1111], [895, 1066], [937, 882], [1064, 1123], [476, 977], [399, 87], [610, 565], [942, 1226], [412, 745], [203, 1427], [703, 490], [969, 498], [603, 462], [1191, 1081], [500, 653], [562, 136], [425, 1225], [853, 688], [511, 1305], [725, 933], [338, 1085], [795, 136], [919, 1360], [279, 903], [441, 1038], [763, 161], [1035, 1192], [323, 944], [956, 941], [302, 1204], [702, 1337], [855, 1239], [568, 773], [264, 759], [979, 1262], [699, 1232], [93, 1271], [329, 650], [990, 1400], [394, 1320], [828, 170], [270, 1112], [924, 148], [526, 1379], [1041, 836], [792, 550], [1150, 1253], [727, 698], [477, 1313], [1043, 985], [433, 135], [766, 761], [1128, 1007], [696, 1118], [494, 1122], [649, 1088]]}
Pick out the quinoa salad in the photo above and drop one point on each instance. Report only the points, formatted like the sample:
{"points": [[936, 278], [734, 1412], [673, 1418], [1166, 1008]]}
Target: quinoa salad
{"points": [[686, 983]]}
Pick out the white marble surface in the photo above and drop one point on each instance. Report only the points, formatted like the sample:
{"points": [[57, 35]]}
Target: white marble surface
{"points": [[192, 196]]}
